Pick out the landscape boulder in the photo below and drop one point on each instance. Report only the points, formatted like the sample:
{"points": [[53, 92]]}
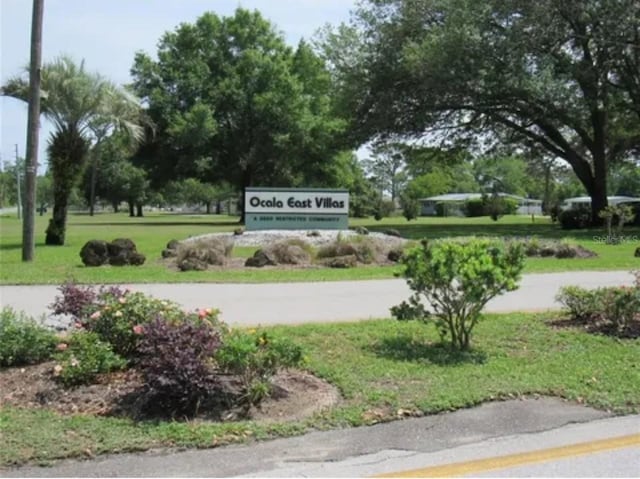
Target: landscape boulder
{"points": [[346, 261], [291, 252], [637, 253], [261, 258], [171, 250], [95, 253], [119, 252]]}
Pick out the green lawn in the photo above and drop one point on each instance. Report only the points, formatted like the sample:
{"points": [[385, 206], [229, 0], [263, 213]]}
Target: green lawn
{"points": [[151, 233], [384, 369]]}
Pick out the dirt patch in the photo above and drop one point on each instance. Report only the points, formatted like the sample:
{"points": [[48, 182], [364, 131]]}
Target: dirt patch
{"points": [[296, 395], [599, 326]]}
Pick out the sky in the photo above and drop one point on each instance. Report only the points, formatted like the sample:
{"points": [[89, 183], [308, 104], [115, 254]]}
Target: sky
{"points": [[107, 34]]}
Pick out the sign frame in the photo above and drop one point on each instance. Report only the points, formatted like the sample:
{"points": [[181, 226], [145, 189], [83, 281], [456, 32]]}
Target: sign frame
{"points": [[296, 208]]}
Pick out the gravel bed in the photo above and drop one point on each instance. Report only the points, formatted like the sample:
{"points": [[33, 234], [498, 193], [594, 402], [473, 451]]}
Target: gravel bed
{"points": [[313, 237]]}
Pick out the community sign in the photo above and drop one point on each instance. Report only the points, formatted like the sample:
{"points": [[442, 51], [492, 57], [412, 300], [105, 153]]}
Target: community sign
{"points": [[296, 208]]}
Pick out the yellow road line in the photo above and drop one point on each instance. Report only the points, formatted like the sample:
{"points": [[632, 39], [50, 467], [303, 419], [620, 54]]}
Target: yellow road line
{"points": [[512, 460]]}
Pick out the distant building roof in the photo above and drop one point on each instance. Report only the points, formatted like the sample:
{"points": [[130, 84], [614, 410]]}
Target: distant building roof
{"points": [[455, 197], [610, 199]]}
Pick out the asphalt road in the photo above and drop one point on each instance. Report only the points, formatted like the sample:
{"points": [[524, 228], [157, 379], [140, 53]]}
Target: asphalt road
{"points": [[293, 303], [540, 434]]}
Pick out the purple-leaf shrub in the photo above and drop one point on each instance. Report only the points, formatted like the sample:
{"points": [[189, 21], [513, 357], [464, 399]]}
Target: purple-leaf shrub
{"points": [[177, 363]]}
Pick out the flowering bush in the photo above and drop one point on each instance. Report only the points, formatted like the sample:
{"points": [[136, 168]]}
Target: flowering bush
{"points": [[116, 315], [22, 340], [82, 357], [255, 357]]}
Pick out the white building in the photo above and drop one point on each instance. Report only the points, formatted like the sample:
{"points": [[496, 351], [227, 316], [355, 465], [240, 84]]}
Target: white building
{"points": [[453, 203]]}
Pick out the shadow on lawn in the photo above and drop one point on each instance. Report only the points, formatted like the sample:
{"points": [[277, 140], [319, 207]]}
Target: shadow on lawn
{"points": [[158, 223], [407, 348]]}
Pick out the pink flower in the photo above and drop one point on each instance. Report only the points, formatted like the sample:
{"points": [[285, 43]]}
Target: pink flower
{"points": [[138, 329], [95, 315], [62, 346], [202, 313]]}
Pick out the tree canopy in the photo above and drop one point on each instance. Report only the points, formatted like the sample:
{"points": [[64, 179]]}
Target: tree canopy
{"points": [[563, 77], [232, 102], [79, 104]]}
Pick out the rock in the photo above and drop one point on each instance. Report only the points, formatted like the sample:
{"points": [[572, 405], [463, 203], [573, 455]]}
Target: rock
{"points": [[637, 253], [361, 230], [173, 244], [192, 264], [120, 252], [95, 253], [261, 258], [137, 259], [547, 251], [169, 253], [347, 261], [394, 255], [392, 232], [565, 251]]}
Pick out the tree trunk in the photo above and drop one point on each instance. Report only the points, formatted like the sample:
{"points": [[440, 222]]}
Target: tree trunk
{"points": [[115, 205], [599, 193], [208, 207], [58, 223], [33, 126], [132, 212], [139, 213], [94, 179]]}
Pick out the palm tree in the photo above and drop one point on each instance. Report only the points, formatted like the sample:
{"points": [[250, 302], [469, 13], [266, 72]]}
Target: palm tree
{"points": [[84, 108]]}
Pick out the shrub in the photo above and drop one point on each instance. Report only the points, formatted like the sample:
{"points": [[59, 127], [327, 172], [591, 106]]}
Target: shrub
{"points": [[74, 300], [82, 357], [205, 251], [22, 340], [617, 306], [383, 209], [615, 217], [457, 279], [582, 304], [255, 356], [575, 218], [291, 251], [177, 365], [474, 208], [496, 206], [365, 250], [410, 207], [620, 306]]}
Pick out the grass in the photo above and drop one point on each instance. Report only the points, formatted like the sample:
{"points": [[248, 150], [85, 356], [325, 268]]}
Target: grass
{"points": [[55, 264], [384, 369]]}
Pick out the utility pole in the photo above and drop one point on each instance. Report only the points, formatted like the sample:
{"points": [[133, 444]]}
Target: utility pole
{"points": [[19, 197], [33, 127]]}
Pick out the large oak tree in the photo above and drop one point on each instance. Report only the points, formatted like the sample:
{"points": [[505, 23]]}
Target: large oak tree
{"points": [[563, 76]]}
